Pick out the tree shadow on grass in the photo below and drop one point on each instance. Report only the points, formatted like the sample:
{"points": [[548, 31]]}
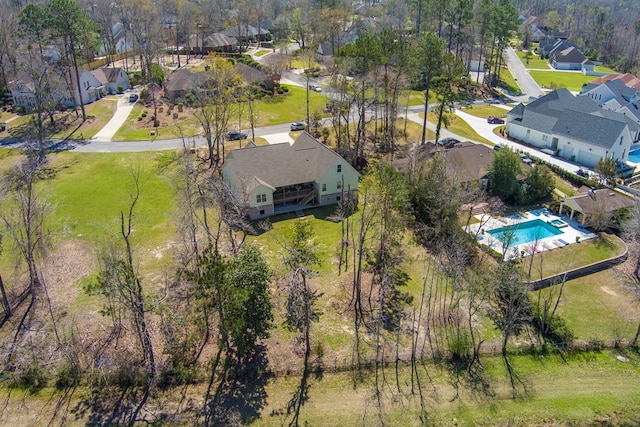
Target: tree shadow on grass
{"points": [[240, 395]]}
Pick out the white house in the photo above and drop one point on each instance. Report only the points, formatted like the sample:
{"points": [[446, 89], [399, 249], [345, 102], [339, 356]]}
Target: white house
{"points": [[279, 178], [574, 128], [90, 88], [614, 95], [114, 80]]}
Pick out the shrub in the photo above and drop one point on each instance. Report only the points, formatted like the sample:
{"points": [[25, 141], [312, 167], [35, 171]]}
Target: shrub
{"points": [[144, 113], [67, 376], [120, 89], [33, 379]]}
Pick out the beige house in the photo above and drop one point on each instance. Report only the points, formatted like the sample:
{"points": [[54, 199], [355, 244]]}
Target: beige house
{"points": [[595, 202], [280, 178]]}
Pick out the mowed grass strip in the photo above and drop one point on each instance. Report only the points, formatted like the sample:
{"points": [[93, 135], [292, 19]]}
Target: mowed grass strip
{"points": [[486, 111], [575, 390]]}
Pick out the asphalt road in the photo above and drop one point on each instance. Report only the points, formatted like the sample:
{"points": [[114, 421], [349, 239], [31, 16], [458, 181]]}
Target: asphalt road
{"points": [[480, 125], [528, 86]]}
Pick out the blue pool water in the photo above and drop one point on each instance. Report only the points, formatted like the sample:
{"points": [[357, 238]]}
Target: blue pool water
{"points": [[524, 232], [634, 156]]}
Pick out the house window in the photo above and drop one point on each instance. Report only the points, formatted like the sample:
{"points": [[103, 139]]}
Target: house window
{"points": [[528, 133], [338, 198], [339, 185], [261, 198], [324, 187], [262, 212], [621, 138], [339, 168]]}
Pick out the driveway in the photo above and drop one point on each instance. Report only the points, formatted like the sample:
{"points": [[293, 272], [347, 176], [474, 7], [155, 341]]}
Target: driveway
{"points": [[123, 109]]}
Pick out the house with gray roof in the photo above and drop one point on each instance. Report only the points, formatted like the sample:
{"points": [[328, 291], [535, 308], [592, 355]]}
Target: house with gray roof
{"points": [[115, 80], [614, 95], [568, 59], [574, 128], [280, 178], [539, 32]]}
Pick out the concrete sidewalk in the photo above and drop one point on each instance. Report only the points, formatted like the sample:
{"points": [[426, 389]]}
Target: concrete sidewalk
{"points": [[123, 109]]}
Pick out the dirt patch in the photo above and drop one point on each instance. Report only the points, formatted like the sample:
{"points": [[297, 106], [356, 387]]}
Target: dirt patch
{"points": [[609, 291], [65, 266]]}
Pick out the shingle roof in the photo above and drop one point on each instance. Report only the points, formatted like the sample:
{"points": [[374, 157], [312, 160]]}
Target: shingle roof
{"points": [[278, 165], [595, 201], [570, 54], [106, 75], [219, 40], [561, 113]]}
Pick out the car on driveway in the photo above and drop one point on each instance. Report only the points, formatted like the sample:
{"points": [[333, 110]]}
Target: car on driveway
{"points": [[315, 88], [298, 126], [526, 160], [133, 97], [3, 127], [498, 146], [495, 120], [235, 135]]}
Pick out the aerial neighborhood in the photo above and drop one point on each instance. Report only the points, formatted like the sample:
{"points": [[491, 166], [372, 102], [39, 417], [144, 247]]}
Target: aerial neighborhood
{"points": [[278, 212]]}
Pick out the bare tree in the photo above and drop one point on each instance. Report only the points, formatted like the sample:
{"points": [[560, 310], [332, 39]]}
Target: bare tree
{"points": [[214, 107]]}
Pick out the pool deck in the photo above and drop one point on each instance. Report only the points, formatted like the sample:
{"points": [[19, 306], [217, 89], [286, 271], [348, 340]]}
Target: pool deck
{"points": [[568, 236]]}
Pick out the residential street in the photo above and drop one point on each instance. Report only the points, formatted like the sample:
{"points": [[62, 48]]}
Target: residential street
{"points": [[101, 142]]}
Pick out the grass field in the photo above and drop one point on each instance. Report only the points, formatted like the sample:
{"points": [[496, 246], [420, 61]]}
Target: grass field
{"points": [[593, 388], [572, 80]]}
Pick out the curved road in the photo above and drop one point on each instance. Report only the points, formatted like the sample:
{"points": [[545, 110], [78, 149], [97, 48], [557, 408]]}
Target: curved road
{"points": [[280, 132]]}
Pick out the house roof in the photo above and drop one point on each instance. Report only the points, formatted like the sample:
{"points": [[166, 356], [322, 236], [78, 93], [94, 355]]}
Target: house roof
{"points": [[279, 165], [244, 31], [468, 161], [570, 55], [595, 201], [219, 40], [106, 75], [251, 74], [561, 113], [628, 79], [183, 80]]}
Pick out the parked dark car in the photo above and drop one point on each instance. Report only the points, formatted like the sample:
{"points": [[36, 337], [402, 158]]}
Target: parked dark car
{"points": [[3, 127], [298, 126], [583, 173], [448, 141], [235, 135], [495, 120], [498, 146], [133, 97]]}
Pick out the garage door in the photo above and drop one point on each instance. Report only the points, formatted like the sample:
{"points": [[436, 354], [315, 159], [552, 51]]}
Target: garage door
{"points": [[587, 158]]}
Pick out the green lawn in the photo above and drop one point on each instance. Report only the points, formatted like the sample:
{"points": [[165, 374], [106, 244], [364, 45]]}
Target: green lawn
{"points": [[576, 255], [534, 62], [572, 80], [603, 69], [508, 82], [80, 177], [612, 308], [578, 389], [98, 114], [262, 52], [485, 111]]}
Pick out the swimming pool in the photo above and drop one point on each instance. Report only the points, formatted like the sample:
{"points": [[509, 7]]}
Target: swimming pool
{"points": [[524, 232], [634, 156]]}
